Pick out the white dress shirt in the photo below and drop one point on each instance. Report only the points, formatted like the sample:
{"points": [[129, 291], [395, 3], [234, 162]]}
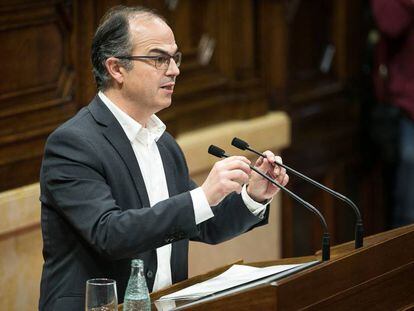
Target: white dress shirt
{"points": [[144, 144]]}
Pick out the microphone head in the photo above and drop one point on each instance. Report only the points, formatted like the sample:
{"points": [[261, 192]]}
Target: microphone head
{"points": [[216, 151], [239, 143]]}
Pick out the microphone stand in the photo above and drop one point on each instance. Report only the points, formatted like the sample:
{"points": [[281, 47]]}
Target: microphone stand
{"points": [[359, 229], [220, 153]]}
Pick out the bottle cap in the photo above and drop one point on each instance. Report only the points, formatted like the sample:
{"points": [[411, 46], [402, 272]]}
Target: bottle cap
{"points": [[137, 263]]}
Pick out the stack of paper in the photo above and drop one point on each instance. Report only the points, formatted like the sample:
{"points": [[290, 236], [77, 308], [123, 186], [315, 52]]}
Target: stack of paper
{"points": [[236, 275]]}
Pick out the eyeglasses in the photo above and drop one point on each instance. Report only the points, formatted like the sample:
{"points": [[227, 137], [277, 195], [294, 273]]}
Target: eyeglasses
{"points": [[160, 61]]}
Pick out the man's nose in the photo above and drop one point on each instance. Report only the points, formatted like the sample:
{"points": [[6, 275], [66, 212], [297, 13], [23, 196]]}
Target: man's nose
{"points": [[173, 69]]}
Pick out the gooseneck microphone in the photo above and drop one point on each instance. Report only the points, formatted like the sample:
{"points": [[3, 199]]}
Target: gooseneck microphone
{"points": [[220, 153], [359, 229]]}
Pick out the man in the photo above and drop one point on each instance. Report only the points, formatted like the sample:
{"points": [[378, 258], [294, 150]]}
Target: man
{"points": [[115, 185]]}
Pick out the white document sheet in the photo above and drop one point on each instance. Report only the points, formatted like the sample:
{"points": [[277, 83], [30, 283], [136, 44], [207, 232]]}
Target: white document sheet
{"points": [[236, 275]]}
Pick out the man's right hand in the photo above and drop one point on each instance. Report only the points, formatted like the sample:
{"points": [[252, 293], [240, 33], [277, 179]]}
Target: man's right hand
{"points": [[226, 176]]}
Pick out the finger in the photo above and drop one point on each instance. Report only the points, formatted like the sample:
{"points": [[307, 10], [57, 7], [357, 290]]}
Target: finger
{"points": [[280, 178], [265, 164], [239, 158], [259, 161], [285, 180], [235, 164], [278, 169], [233, 186], [238, 176], [257, 175], [282, 172], [278, 159], [270, 169], [281, 175], [270, 156]]}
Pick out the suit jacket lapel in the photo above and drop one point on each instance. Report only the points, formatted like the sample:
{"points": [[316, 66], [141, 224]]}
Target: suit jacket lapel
{"points": [[168, 165], [118, 139]]}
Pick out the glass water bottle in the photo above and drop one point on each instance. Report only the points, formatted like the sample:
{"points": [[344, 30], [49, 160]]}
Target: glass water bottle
{"points": [[136, 294]]}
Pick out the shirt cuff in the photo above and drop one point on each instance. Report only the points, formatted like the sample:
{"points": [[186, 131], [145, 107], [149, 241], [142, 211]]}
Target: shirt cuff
{"points": [[202, 210], [256, 208]]}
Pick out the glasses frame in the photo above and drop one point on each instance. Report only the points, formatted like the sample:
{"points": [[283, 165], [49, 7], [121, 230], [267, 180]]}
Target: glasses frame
{"points": [[155, 57]]}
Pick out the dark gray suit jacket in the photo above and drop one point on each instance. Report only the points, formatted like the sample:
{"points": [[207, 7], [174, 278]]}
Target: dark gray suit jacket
{"points": [[96, 215]]}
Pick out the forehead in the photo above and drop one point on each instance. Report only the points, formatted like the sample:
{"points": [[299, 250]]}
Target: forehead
{"points": [[151, 33]]}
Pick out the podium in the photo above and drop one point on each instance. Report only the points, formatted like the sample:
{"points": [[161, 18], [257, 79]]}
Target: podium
{"points": [[378, 276]]}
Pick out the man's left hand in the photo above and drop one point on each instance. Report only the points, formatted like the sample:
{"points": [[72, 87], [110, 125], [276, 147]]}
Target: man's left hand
{"points": [[261, 190]]}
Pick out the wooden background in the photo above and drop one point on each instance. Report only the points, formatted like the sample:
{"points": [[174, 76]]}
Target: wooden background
{"points": [[265, 55]]}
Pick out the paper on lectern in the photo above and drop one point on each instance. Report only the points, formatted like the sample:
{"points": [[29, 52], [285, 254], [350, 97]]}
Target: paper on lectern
{"points": [[236, 275]]}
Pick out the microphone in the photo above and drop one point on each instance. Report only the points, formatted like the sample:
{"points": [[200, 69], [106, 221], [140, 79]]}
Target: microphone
{"points": [[359, 229], [220, 153], [217, 152]]}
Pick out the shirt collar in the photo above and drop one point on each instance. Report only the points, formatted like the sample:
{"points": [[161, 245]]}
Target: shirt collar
{"points": [[133, 129]]}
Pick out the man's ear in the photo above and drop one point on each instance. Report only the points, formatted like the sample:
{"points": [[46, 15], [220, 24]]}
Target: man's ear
{"points": [[114, 69]]}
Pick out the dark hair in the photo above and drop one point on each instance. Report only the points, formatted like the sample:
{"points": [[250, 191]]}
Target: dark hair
{"points": [[112, 38]]}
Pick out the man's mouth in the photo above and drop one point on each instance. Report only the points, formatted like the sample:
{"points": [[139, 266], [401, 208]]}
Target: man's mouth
{"points": [[168, 86]]}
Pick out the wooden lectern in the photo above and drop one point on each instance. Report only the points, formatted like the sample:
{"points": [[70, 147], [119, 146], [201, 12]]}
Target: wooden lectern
{"points": [[378, 276]]}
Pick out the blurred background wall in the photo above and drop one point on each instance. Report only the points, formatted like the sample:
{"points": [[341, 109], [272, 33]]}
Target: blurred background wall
{"points": [[243, 59]]}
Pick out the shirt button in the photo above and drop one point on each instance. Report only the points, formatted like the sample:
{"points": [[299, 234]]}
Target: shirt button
{"points": [[150, 274]]}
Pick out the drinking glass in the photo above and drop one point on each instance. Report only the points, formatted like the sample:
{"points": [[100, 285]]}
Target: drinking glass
{"points": [[101, 295]]}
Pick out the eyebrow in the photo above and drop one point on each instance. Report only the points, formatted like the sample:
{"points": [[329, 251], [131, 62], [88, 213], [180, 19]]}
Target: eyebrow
{"points": [[161, 51]]}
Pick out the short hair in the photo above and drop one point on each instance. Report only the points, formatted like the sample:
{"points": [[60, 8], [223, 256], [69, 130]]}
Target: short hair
{"points": [[112, 38]]}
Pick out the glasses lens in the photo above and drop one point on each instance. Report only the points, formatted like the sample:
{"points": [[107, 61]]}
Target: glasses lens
{"points": [[177, 58], [162, 62]]}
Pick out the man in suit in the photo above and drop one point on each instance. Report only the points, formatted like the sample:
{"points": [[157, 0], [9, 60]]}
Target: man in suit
{"points": [[115, 185]]}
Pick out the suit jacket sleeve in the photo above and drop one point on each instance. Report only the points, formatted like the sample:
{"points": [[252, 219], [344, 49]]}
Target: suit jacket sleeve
{"points": [[231, 216]]}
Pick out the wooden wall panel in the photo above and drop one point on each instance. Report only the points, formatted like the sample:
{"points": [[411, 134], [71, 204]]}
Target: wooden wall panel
{"points": [[325, 117], [307, 29], [225, 87], [48, 47], [38, 92], [325, 147]]}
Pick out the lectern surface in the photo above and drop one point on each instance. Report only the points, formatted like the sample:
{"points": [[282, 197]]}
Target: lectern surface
{"points": [[378, 276]]}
